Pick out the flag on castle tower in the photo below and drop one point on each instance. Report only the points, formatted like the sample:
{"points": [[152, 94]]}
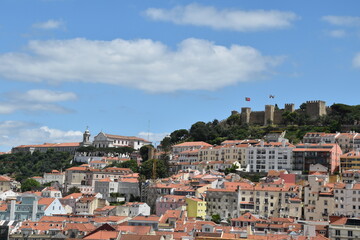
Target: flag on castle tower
{"points": [[271, 96], [247, 99]]}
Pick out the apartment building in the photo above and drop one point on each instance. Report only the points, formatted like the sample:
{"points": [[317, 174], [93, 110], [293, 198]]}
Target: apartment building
{"points": [[266, 156], [350, 160], [188, 146], [347, 199], [225, 153], [345, 229], [224, 202], [319, 201], [307, 154]]}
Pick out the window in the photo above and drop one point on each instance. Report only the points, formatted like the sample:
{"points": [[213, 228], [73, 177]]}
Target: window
{"points": [[337, 232], [350, 233]]}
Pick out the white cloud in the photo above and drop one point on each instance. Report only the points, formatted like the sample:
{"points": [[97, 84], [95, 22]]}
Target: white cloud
{"points": [[36, 100], [337, 33], [144, 64], [229, 19], [152, 137], [45, 96], [14, 133], [342, 20], [356, 60], [49, 25]]}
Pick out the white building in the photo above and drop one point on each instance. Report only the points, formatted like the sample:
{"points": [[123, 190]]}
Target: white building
{"points": [[104, 140], [54, 176], [263, 157], [132, 209], [50, 192], [106, 186], [347, 199]]}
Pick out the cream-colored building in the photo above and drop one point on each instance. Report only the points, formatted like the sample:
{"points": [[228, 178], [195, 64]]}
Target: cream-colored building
{"points": [[188, 146], [5, 183], [278, 199], [347, 199], [345, 229], [225, 153], [319, 201]]}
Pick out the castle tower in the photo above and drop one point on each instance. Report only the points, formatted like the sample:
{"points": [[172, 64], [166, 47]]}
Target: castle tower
{"points": [[86, 138], [315, 109], [234, 113], [289, 107], [269, 114], [245, 115]]}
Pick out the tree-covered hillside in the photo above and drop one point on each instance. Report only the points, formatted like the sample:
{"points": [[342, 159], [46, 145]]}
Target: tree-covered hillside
{"points": [[295, 123], [25, 165]]}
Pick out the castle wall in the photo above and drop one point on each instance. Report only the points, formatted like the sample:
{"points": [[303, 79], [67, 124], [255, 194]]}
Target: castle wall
{"points": [[278, 119], [257, 117]]}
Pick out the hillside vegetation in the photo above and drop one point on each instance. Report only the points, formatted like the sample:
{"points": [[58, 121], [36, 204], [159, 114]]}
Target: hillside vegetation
{"points": [[296, 124]]}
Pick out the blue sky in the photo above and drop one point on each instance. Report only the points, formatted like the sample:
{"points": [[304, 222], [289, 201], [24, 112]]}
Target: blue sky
{"points": [[147, 68]]}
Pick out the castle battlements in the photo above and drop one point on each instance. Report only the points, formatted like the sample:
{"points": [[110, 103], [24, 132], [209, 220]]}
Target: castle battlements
{"points": [[314, 109]]}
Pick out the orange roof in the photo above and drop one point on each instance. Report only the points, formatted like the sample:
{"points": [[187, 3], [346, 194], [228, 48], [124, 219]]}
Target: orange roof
{"points": [[5, 179], [106, 180], [341, 221], [52, 219], [109, 219], [146, 218], [46, 201], [104, 235], [77, 169], [141, 230], [73, 196], [49, 145], [84, 227], [129, 180], [247, 217], [190, 144]]}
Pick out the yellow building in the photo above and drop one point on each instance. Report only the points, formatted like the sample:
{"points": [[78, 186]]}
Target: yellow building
{"points": [[195, 207], [350, 160]]}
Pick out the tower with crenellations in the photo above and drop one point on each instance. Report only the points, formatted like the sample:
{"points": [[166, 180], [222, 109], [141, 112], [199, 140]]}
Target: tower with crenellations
{"points": [[316, 109]]}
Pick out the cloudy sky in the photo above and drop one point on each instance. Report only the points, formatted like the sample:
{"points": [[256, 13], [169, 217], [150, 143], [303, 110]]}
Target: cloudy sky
{"points": [[147, 68]]}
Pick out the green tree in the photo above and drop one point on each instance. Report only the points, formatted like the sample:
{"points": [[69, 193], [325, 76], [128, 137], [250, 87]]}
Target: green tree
{"points": [[29, 185], [179, 135], [145, 151], [199, 131], [166, 144], [216, 218], [132, 164], [162, 170], [73, 190]]}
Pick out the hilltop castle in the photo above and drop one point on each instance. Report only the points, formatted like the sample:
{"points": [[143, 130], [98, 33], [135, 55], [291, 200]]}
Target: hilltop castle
{"points": [[314, 109]]}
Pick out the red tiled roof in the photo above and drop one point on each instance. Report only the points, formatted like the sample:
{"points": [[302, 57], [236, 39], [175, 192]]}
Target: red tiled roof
{"points": [[46, 201], [103, 235], [49, 145], [189, 144]]}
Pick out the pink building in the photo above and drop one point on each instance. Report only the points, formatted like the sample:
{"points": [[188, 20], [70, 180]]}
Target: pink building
{"points": [[169, 202], [307, 154]]}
